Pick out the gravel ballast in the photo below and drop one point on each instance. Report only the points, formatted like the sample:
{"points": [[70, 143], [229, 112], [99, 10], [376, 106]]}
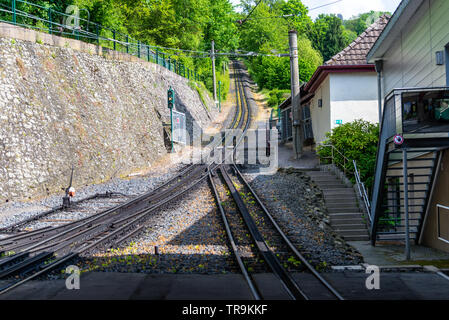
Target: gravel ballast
{"points": [[14, 212], [190, 237], [298, 207]]}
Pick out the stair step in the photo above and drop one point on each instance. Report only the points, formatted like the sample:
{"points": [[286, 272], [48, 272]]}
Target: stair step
{"points": [[334, 186], [349, 226], [325, 178], [357, 238], [346, 215], [320, 173], [342, 209], [345, 205], [331, 191], [342, 198], [343, 221], [323, 183], [355, 232]]}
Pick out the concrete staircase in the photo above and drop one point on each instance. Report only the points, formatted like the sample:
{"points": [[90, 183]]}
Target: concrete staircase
{"points": [[346, 218]]}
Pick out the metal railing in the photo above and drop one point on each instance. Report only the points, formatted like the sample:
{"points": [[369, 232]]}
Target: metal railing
{"points": [[362, 190], [335, 153], [45, 19]]}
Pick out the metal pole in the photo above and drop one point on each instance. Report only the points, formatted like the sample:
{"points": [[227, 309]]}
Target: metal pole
{"points": [[148, 54], [13, 7], [379, 67], [98, 34], [138, 48], [171, 127], [127, 44], [113, 34], [219, 96], [50, 27], [407, 231], [212, 55], [296, 107]]}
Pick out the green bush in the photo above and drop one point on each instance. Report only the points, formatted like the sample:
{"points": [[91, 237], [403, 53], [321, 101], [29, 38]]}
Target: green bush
{"points": [[276, 97], [356, 141]]}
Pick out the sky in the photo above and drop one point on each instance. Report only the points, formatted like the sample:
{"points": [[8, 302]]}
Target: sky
{"points": [[347, 8]]}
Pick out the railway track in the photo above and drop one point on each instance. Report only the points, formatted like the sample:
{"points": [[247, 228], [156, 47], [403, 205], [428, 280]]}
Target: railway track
{"points": [[257, 241], [79, 208], [28, 255], [38, 252]]}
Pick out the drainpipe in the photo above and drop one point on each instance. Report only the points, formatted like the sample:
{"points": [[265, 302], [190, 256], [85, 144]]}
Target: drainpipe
{"points": [[379, 69]]}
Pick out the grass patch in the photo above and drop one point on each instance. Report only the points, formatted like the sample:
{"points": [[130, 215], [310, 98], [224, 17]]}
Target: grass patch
{"points": [[195, 86]]}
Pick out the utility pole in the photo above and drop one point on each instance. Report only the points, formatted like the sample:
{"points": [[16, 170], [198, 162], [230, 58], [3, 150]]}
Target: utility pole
{"points": [[296, 106], [212, 55]]}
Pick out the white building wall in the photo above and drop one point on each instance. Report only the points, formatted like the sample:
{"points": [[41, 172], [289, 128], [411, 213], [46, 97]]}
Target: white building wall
{"points": [[353, 96], [410, 62], [321, 116]]}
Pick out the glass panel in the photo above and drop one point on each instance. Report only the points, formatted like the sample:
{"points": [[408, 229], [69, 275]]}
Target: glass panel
{"points": [[425, 112], [389, 124]]}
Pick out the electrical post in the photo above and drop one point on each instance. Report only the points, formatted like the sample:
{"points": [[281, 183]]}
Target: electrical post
{"points": [[295, 93], [212, 55]]}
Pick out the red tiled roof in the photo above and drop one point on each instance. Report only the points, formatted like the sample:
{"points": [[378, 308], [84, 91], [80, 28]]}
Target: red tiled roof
{"points": [[356, 52]]}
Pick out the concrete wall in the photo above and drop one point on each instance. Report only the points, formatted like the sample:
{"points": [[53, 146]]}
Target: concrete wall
{"points": [[61, 106], [440, 196], [353, 96], [410, 62]]}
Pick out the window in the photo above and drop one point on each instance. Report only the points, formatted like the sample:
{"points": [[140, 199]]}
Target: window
{"points": [[425, 112]]}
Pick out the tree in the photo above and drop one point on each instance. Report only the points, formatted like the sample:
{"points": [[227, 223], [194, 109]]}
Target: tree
{"points": [[266, 32], [328, 35], [358, 24]]}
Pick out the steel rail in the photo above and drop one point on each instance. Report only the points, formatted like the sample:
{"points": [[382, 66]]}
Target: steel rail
{"points": [[287, 241], [235, 250], [54, 210], [108, 215], [8, 240], [279, 230], [275, 265], [99, 241]]}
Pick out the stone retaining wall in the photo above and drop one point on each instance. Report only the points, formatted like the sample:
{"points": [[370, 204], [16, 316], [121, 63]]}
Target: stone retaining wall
{"points": [[63, 103]]}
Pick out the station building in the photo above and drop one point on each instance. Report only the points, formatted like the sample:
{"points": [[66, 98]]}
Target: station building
{"points": [[412, 55]]}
